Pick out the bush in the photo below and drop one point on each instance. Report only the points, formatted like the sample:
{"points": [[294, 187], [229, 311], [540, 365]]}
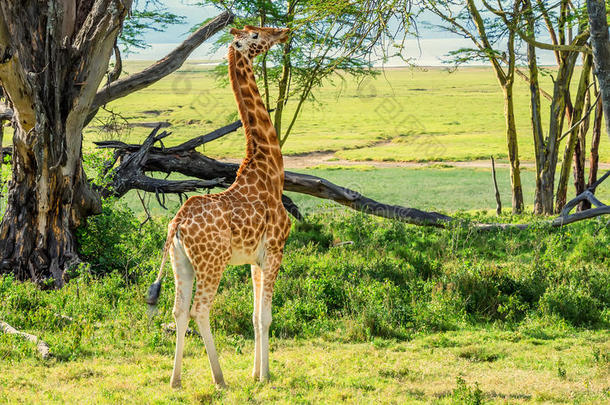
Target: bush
{"points": [[573, 304], [115, 241], [394, 280]]}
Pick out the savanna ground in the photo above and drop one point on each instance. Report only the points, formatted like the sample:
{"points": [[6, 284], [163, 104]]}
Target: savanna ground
{"points": [[401, 315]]}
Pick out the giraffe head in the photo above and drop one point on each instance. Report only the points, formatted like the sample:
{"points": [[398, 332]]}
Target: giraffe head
{"points": [[252, 41]]}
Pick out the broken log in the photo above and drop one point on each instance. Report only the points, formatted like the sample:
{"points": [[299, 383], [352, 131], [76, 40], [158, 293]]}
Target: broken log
{"points": [[41, 346], [186, 160]]}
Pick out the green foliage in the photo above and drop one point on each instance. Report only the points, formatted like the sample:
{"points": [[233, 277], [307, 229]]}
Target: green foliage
{"points": [[392, 281], [148, 15], [115, 241], [573, 303]]}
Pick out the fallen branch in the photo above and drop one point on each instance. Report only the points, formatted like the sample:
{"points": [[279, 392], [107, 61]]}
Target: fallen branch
{"points": [[181, 159], [42, 347], [170, 63], [189, 162], [129, 175], [587, 195]]}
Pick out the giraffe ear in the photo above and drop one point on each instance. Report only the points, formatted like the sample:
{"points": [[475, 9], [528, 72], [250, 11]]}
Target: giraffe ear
{"points": [[249, 27], [234, 31]]}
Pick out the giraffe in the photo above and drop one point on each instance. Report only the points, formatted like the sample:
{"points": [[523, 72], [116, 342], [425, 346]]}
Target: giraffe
{"points": [[245, 224]]}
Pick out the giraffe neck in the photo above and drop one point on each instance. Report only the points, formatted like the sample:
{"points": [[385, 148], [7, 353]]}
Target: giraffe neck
{"points": [[263, 156]]}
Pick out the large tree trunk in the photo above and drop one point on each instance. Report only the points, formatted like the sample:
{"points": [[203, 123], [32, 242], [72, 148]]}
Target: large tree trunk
{"points": [[600, 43], [54, 56]]}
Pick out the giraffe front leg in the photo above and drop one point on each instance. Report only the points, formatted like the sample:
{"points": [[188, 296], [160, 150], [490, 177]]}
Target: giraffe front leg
{"points": [[256, 286], [269, 274]]}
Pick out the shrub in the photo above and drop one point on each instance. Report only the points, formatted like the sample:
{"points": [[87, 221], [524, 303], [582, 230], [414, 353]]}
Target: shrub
{"points": [[574, 304], [115, 241]]}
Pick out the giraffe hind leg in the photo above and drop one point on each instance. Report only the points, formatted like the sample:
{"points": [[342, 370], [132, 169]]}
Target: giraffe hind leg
{"points": [[200, 312], [184, 275]]}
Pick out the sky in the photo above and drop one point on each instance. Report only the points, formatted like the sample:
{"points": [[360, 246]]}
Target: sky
{"points": [[428, 50]]}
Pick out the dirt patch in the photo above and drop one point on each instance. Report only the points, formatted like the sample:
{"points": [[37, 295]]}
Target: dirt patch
{"points": [[307, 160], [162, 124]]}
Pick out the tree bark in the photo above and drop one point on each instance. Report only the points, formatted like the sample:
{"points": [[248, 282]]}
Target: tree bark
{"points": [[574, 135], [513, 149], [579, 151], [547, 148], [535, 113], [600, 42], [53, 60], [596, 135]]}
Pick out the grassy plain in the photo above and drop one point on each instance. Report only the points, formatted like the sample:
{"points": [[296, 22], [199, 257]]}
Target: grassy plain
{"points": [[507, 367], [403, 115]]}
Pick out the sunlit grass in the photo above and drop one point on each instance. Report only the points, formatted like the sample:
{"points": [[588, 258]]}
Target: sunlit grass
{"points": [[404, 115], [519, 369]]}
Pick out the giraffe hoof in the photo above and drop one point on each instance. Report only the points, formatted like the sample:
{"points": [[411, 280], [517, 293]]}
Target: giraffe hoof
{"points": [[176, 384], [221, 385]]}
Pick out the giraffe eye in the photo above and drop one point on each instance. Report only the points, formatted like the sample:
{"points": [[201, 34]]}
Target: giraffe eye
{"points": [[255, 35]]}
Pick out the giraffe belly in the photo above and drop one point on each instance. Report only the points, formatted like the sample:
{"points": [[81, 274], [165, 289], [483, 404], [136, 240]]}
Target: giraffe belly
{"points": [[243, 255]]}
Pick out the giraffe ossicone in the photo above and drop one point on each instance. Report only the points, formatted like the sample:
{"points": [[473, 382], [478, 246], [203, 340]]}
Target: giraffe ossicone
{"points": [[245, 224]]}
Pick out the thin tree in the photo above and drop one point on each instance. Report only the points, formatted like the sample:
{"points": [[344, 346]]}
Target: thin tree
{"points": [[600, 42], [567, 46], [486, 37]]}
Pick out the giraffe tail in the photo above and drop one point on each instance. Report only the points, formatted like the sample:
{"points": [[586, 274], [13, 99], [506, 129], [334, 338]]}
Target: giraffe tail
{"points": [[152, 297]]}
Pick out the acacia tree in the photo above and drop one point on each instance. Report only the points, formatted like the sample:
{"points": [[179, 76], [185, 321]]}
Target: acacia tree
{"points": [[465, 19], [53, 56], [567, 46], [328, 37]]}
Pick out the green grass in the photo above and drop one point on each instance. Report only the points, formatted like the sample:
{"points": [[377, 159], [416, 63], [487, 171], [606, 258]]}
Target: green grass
{"points": [[403, 115], [323, 371]]}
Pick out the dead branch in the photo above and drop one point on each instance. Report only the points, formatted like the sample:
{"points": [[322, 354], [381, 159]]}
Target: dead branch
{"points": [[185, 160], [587, 195], [130, 175], [161, 68], [42, 347]]}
